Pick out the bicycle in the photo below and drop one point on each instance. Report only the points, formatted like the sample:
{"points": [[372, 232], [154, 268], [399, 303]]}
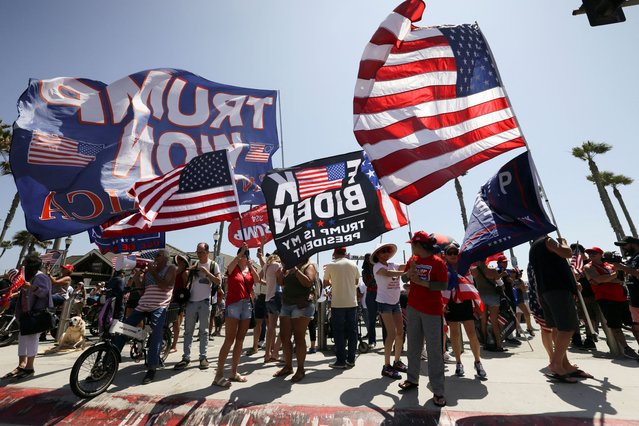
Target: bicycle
{"points": [[94, 370]]}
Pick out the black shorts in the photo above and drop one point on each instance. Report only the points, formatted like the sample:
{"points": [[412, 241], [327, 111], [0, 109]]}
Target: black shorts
{"points": [[560, 311], [260, 307], [458, 312], [615, 313]]}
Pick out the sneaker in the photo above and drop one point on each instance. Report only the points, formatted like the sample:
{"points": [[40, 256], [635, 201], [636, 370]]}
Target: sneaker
{"points": [[424, 354], [204, 364], [531, 332], [480, 370], [400, 366], [261, 344], [389, 371], [337, 366], [588, 344], [628, 352], [148, 377], [181, 365], [459, 370], [312, 350], [448, 359], [350, 364]]}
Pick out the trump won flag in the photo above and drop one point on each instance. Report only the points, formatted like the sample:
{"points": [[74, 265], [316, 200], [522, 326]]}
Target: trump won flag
{"points": [[429, 104]]}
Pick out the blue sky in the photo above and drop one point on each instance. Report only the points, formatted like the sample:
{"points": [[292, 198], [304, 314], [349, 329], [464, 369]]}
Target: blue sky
{"points": [[567, 82]]}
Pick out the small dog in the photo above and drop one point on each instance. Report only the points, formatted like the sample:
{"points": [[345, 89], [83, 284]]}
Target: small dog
{"points": [[73, 337]]}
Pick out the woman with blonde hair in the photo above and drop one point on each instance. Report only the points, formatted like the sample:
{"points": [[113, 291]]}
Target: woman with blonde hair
{"points": [[272, 274]]}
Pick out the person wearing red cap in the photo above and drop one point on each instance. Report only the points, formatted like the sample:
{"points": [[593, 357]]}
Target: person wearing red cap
{"points": [[60, 286], [428, 276], [611, 298]]}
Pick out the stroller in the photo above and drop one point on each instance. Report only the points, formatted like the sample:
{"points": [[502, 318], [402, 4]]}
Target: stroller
{"points": [[362, 346]]}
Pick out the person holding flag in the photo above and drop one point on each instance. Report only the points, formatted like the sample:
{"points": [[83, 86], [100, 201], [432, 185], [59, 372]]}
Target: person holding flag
{"points": [[463, 303]]}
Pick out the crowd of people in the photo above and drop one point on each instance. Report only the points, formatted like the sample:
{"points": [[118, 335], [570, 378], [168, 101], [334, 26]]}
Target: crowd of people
{"points": [[421, 305]]}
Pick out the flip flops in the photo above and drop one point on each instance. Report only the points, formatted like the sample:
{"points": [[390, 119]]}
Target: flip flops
{"points": [[297, 377], [222, 382], [563, 378], [581, 374], [24, 373], [13, 374]]}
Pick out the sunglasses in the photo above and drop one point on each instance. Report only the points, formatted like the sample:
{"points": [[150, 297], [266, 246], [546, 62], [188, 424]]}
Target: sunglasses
{"points": [[452, 253]]}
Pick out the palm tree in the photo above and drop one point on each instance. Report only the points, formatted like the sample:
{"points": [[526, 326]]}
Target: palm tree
{"points": [[5, 245], [587, 152], [460, 197], [611, 179], [5, 169], [28, 242]]}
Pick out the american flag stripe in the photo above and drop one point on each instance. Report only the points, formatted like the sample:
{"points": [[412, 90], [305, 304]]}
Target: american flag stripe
{"points": [[413, 114], [153, 193], [48, 149]]}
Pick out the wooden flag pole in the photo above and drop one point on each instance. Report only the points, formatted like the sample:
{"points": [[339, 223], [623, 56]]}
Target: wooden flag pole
{"points": [[533, 168]]}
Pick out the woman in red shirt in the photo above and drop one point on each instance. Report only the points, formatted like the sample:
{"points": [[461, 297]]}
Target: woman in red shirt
{"points": [[240, 277], [428, 276]]}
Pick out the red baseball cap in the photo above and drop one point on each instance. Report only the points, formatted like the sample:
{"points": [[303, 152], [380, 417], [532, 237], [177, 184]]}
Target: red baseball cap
{"points": [[68, 266], [594, 250], [420, 237], [339, 251]]}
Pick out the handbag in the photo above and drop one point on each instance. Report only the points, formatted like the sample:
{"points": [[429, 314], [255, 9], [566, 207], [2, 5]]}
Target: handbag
{"points": [[35, 322]]}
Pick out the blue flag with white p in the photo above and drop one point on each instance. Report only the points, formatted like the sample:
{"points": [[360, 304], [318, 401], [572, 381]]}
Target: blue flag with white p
{"points": [[507, 212]]}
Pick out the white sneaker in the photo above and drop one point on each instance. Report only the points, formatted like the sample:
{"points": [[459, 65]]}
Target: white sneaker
{"points": [[448, 359]]}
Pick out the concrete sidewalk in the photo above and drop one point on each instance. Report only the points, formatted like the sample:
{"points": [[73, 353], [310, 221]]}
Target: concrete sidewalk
{"points": [[516, 392]]}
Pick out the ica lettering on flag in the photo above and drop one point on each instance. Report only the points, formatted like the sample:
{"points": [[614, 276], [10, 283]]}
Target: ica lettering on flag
{"points": [[507, 212], [200, 192], [429, 104]]}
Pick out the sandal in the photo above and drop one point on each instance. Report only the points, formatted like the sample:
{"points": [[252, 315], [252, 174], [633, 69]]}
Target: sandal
{"points": [[406, 385], [13, 374], [581, 374], [283, 372], [439, 400], [297, 377], [250, 352], [239, 378], [222, 382], [24, 374]]}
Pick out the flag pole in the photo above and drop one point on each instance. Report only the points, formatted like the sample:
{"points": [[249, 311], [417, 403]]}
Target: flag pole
{"points": [[410, 229], [279, 109], [237, 198], [537, 177]]}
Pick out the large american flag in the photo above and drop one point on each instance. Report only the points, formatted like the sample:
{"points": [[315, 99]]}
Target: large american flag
{"points": [[258, 153], [315, 180], [200, 192], [429, 104], [54, 150]]}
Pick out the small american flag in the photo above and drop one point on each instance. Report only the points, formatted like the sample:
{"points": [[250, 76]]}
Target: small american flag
{"points": [[577, 260], [316, 180], [200, 192], [429, 104], [258, 153], [54, 150]]}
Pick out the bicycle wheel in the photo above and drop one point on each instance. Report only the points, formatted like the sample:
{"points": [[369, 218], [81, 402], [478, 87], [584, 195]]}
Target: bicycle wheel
{"points": [[94, 370], [8, 334], [167, 340]]}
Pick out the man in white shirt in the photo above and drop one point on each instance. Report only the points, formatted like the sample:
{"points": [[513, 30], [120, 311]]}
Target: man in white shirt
{"points": [[202, 276], [342, 276]]}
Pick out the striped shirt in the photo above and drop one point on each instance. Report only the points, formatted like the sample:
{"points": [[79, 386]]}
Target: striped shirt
{"points": [[154, 297]]}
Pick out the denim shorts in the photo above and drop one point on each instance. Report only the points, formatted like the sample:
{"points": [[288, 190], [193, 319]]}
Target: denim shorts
{"points": [[274, 306], [387, 308], [294, 312], [240, 310]]}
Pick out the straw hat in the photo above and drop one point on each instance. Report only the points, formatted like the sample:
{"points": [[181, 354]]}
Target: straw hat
{"points": [[375, 252]]}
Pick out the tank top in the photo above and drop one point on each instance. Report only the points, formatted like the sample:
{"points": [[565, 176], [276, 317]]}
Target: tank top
{"points": [[154, 297], [293, 289]]}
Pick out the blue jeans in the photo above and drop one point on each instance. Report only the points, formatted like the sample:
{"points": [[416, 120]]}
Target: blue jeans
{"points": [[371, 306], [344, 323], [200, 311], [156, 320]]}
